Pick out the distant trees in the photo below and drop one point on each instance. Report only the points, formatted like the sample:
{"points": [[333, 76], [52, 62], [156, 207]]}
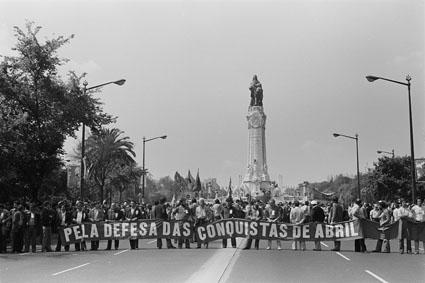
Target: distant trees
{"points": [[37, 112]]}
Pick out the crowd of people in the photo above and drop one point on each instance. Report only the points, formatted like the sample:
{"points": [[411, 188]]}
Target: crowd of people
{"points": [[23, 225]]}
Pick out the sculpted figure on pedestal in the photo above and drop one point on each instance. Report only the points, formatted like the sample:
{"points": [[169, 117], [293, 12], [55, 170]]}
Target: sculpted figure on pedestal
{"points": [[256, 92]]}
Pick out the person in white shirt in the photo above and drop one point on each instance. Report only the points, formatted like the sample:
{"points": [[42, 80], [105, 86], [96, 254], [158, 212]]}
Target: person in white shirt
{"points": [[201, 218], [403, 212], [418, 212], [296, 216]]}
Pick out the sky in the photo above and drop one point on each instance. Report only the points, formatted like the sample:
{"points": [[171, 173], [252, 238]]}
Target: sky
{"points": [[188, 66]]}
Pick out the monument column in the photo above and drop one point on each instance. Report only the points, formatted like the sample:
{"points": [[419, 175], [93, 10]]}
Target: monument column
{"points": [[257, 179]]}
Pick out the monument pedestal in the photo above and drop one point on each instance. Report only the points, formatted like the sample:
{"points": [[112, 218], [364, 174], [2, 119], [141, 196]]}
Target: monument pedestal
{"points": [[257, 180]]}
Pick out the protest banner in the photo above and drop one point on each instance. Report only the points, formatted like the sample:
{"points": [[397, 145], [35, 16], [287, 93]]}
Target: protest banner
{"points": [[227, 228], [142, 229], [264, 230]]}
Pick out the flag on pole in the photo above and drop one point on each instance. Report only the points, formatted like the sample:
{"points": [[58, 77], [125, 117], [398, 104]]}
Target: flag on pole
{"points": [[230, 188], [198, 185]]}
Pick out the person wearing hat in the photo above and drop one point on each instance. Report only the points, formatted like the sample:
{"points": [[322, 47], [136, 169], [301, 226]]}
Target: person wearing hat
{"points": [[317, 216]]}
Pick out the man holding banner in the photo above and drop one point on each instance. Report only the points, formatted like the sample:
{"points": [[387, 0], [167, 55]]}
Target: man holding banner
{"points": [[273, 215]]}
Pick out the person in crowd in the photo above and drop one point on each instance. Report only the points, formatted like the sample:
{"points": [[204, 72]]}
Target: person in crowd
{"points": [[336, 215], [273, 214], [47, 217], [114, 214], [79, 216], [384, 219], [159, 213], [181, 214], [18, 220], [318, 216], [229, 212], [64, 219], [375, 212], [217, 209], [201, 219], [357, 213], [5, 225], [296, 216], [96, 215], [400, 213], [418, 211], [132, 214], [255, 214], [33, 225], [286, 212]]}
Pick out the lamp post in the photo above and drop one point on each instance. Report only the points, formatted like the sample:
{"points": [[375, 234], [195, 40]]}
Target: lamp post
{"points": [[83, 135], [386, 152], [356, 137], [412, 150], [144, 170]]}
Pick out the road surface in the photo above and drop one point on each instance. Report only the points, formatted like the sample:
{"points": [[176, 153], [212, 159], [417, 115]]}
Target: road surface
{"points": [[148, 264]]}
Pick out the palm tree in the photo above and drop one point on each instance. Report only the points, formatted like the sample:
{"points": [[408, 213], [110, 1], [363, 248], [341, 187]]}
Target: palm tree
{"points": [[105, 151]]}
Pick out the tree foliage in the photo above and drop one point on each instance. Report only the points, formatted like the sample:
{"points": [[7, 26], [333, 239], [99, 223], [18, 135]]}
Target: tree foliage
{"points": [[107, 156], [38, 111]]}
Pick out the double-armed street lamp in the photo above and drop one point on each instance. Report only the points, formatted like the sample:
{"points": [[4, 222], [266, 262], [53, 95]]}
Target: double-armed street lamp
{"points": [[356, 137], [386, 152], [82, 165], [412, 151], [144, 170]]}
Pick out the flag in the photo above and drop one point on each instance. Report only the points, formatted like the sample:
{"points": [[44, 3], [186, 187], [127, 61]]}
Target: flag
{"points": [[181, 182], [173, 200], [198, 185], [230, 187], [190, 181]]}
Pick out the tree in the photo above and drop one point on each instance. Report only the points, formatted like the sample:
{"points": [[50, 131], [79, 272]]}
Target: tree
{"points": [[124, 176], [39, 111], [106, 151], [391, 178]]}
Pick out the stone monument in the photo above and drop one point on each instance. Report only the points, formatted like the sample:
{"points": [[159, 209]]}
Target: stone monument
{"points": [[257, 180]]}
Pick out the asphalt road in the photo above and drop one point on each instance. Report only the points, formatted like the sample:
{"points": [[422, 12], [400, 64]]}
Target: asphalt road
{"points": [[148, 264]]}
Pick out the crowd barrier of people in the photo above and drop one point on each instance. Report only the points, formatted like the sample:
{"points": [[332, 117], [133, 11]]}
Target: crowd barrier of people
{"points": [[24, 225]]}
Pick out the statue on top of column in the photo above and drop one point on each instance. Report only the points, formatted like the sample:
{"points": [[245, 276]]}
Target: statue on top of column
{"points": [[256, 92]]}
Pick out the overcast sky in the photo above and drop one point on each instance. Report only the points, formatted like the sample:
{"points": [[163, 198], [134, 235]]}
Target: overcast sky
{"points": [[189, 65]]}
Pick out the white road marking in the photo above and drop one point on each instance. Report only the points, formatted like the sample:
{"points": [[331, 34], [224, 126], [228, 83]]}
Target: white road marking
{"points": [[25, 254], [151, 242], [343, 256], [324, 244], [63, 271], [217, 268], [376, 276], [121, 252]]}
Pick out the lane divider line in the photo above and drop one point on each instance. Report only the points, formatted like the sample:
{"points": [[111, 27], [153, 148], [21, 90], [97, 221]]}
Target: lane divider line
{"points": [[376, 276], [63, 271], [121, 252], [343, 256], [324, 244]]}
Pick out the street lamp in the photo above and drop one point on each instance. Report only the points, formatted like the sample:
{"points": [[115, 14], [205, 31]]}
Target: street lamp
{"points": [[356, 137], [144, 170], [386, 152], [82, 165], [412, 150]]}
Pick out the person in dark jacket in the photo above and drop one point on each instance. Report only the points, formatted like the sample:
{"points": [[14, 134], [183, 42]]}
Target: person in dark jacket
{"points": [[64, 218], [114, 214], [47, 215], [318, 216], [336, 215], [18, 220], [32, 226]]}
